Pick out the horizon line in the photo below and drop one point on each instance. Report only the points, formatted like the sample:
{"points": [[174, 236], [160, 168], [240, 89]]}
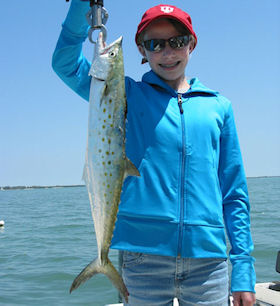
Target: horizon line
{"points": [[83, 185]]}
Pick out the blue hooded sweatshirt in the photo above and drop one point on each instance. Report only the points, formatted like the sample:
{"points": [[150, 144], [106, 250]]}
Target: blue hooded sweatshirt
{"points": [[192, 185]]}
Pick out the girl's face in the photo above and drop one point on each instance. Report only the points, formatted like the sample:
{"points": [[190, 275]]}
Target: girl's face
{"points": [[169, 64]]}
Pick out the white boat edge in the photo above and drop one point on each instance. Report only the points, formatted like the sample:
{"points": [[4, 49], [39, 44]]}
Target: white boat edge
{"points": [[2, 223], [175, 303], [264, 296], [267, 296]]}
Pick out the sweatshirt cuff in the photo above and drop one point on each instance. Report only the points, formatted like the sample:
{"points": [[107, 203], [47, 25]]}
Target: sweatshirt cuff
{"points": [[76, 22], [243, 277]]}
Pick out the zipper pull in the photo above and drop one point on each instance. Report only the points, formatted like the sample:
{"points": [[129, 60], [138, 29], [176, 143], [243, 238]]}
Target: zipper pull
{"points": [[180, 103]]}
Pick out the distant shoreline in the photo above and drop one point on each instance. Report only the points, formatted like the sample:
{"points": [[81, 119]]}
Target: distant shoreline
{"points": [[37, 187], [67, 186]]}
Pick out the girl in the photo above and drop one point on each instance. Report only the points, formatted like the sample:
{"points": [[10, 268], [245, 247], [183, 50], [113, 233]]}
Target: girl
{"points": [[182, 137]]}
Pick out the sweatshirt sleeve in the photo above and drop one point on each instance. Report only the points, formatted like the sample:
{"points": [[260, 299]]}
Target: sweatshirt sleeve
{"points": [[68, 60], [236, 207]]}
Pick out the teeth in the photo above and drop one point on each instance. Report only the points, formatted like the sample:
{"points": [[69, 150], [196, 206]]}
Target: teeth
{"points": [[169, 66]]}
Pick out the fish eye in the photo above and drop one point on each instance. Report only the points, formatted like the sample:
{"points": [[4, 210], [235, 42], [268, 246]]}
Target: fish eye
{"points": [[112, 54]]}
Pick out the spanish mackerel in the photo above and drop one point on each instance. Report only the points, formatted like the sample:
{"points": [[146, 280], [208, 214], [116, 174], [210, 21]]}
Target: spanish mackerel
{"points": [[106, 164]]}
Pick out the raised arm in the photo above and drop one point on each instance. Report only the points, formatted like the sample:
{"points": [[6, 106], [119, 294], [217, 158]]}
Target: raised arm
{"points": [[68, 60]]}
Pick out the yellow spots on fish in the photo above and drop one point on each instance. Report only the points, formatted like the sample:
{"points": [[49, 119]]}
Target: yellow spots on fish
{"points": [[109, 162], [104, 110], [110, 101], [110, 174], [107, 153], [105, 195], [109, 116], [103, 126], [108, 186], [99, 150], [103, 139], [104, 121], [109, 141], [111, 125], [103, 163], [105, 173], [113, 153]]}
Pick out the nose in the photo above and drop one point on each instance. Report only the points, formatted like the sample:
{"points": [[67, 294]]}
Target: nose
{"points": [[167, 50]]}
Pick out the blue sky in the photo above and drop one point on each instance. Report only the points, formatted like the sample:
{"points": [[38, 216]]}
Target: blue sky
{"points": [[43, 124]]}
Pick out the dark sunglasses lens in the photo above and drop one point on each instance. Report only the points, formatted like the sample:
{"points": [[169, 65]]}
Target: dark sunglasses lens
{"points": [[154, 44], [178, 42]]}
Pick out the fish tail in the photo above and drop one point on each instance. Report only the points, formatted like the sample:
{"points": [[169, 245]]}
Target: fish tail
{"points": [[115, 278], [108, 269]]}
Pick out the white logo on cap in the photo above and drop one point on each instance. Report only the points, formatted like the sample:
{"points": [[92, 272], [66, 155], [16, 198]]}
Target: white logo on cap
{"points": [[167, 9]]}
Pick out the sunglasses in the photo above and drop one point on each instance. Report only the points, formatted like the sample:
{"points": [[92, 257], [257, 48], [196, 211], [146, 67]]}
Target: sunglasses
{"points": [[156, 45]]}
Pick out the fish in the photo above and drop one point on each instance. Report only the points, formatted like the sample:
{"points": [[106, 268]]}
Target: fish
{"points": [[106, 163]]}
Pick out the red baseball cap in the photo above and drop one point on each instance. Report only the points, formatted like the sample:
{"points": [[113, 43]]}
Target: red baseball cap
{"points": [[167, 11]]}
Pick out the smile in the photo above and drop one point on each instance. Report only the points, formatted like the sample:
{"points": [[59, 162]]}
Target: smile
{"points": [[169, 65]]}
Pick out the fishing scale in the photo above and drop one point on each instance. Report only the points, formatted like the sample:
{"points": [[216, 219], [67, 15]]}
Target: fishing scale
{"points": [[96, 17]]}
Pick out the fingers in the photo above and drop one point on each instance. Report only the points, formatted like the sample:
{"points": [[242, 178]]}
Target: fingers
{"points": [[243, 298], [236, 298]]}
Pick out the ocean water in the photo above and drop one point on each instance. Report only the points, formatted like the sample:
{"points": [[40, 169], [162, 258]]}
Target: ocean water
{"points": [[48, 238]]}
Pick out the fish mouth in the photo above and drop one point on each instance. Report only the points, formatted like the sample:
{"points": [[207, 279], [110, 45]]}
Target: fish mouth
{"points": [[99, 79], [108, 47]]}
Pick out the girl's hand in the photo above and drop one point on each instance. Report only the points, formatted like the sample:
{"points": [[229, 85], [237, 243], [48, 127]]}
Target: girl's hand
{"points": [[243, 298]]}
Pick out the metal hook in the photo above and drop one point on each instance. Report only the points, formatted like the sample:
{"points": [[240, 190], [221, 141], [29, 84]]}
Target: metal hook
{"points": [[102, 28], [97, 18]]}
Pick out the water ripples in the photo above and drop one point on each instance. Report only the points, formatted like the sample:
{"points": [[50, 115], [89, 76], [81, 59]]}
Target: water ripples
{"points": [[49, 238]]}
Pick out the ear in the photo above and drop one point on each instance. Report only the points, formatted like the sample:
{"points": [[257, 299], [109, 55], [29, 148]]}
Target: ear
{"points": [[141, 50], [191, 47]]}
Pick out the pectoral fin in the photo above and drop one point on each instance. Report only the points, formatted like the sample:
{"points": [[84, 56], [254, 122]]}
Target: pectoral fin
{"points": [[130, 168]]}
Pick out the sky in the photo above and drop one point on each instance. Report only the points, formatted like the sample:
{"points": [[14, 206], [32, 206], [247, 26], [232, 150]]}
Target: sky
{"points": [[43, 123]]}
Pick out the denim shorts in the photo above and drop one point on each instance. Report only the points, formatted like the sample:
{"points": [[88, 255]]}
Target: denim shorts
{"points": [[154, 280]]}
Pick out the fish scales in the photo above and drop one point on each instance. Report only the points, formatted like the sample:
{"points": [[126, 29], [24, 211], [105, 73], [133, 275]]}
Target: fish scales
{"points": [[106, 164]]}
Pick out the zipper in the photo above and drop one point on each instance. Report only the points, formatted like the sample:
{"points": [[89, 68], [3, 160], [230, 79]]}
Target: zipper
{"points": [[183, 162], [180, 104]]}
